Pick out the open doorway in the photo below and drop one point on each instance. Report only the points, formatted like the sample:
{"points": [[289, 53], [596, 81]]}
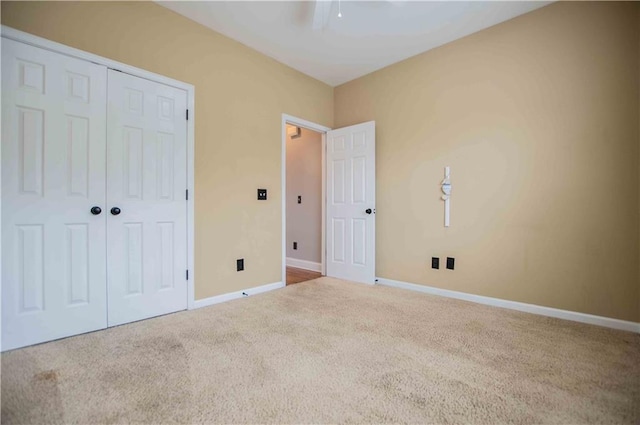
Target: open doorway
{"points": [[303, 203], [298, 136], [347, 201]]}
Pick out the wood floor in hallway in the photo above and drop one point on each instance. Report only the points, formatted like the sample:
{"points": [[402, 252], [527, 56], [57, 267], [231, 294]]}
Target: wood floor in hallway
{"points": [[295, 275]]}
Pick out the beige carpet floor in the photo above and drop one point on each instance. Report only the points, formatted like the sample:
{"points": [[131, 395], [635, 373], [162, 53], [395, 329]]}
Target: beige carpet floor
{"points": [[327, 351]]}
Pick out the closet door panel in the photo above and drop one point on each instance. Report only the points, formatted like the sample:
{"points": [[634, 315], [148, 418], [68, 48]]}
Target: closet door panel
{"points": [[53, 173], [146, 169]]}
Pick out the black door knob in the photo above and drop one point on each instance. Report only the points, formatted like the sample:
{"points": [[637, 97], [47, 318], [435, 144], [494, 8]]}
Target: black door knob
{"points": [[368, 210], [96, 210], [115, 211]]}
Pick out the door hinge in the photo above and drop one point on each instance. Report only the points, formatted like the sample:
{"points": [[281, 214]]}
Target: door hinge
{"points": [[187, 115], [187, 274], [187, 194]]}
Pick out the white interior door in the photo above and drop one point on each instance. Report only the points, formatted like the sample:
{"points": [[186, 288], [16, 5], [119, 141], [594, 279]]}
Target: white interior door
{"points": [[351, 203], [53, 173], [147, 182]]}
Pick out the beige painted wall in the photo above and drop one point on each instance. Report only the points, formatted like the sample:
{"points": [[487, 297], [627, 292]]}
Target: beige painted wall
{"points": [[240, 96], [538, 118], [304, 178]]}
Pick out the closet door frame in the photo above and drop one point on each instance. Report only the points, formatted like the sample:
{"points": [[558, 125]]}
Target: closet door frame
{"points": [[26, 38]]}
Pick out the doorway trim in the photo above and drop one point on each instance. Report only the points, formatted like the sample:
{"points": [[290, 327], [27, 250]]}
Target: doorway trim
{"points": [[43, 43], [299, 122]]}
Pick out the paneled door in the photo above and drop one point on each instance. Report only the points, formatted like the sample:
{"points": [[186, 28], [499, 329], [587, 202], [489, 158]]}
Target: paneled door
{"points": [[146, 203], [53, 194], [351, 203]]}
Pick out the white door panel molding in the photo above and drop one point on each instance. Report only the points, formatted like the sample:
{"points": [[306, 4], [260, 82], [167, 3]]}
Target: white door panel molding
{"points": [[351, 203]]}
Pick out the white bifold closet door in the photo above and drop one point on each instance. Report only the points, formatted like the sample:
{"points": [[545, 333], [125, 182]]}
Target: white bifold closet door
{"points": [[147, 181], [53, 173], [94, 166]]}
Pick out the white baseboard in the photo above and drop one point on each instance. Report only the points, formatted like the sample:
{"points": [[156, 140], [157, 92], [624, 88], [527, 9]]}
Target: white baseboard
{"points": [[514, 305], [304, 264], [238, 294]]}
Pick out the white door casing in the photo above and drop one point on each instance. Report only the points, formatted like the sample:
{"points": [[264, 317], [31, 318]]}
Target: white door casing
{"points": [[147, 166], [351, 203], [299, 122], [53, 173]]}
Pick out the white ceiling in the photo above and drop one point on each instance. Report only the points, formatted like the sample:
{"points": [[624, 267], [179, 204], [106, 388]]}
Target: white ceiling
{"points": [[369, 36]]}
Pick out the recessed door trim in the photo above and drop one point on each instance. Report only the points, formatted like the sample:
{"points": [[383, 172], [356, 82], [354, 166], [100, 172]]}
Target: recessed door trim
{"points": [[23, 37]]}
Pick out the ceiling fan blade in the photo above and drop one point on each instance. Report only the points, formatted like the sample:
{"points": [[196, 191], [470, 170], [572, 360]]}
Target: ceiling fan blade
{"points": [[321, 14]]}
